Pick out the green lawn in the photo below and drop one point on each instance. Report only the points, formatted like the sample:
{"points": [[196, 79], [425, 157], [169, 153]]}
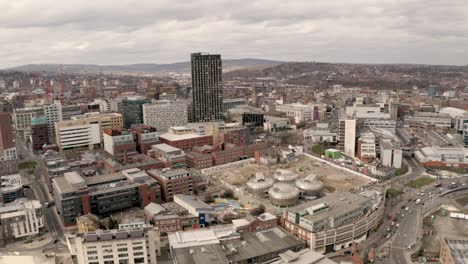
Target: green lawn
{"points": [[402, 170], [392, 193], [418, 183], [318, 149], [27, 165]]}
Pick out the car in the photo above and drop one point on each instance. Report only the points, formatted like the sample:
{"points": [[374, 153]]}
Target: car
{"points": [[402, 215], [422, 194], [392, 223], [397, 225], [388, 235], [406, 208], [347, 252]]}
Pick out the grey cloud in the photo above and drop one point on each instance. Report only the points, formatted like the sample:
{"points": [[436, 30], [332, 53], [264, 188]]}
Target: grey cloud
{"points": [[128, 31]]}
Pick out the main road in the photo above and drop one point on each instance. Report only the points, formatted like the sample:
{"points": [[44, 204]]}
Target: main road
{"points": [[37, 184]]}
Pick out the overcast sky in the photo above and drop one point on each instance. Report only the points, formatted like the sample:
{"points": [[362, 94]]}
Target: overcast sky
{"points": [[164, 31]]}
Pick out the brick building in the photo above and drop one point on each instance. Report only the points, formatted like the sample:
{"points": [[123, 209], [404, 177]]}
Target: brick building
{"points": [[172, 182]]}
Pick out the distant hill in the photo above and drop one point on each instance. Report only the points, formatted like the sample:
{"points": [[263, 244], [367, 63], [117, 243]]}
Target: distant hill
{"points": [[143, 68]]}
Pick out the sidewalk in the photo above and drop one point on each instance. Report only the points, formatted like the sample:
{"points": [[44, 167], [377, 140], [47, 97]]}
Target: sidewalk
{"points": [[37, 243]]}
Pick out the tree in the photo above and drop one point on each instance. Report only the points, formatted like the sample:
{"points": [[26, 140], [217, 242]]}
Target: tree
{"points": [[258, 211], [227, 194], [209, 198]]}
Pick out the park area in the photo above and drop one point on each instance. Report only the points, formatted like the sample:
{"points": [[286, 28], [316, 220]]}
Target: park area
{"points": [[27, 165], [420, 182]]}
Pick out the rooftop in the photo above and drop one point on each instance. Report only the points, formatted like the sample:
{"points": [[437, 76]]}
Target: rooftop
{"points": [[174, 137], [458, 248], [11, 183], [165, 148]]}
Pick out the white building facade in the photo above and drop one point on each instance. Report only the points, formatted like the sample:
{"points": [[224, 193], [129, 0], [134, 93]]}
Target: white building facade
{"points": [[165, 114]]}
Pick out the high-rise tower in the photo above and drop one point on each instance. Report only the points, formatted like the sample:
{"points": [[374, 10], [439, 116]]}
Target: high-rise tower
{"points": [[207, 87]]}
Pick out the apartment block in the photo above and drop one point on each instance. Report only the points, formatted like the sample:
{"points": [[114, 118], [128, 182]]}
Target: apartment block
{"points": [[165, 114]]}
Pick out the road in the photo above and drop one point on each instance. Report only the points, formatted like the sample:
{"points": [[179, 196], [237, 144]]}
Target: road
{"points": [[37, 184]]}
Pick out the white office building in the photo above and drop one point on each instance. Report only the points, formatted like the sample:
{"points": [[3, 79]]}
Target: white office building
{"points": [[347, 135], [320, 133], [130, 246], [367, 146], [196, 207], [77, 136], [299, 112], [165, 114], [53, 114], [391, 154]]}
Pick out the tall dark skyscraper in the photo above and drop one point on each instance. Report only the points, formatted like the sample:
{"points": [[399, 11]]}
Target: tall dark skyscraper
{"points": [[207, 87]]}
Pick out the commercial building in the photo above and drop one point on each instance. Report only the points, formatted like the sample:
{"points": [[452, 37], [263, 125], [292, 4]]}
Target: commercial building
{"points": [[297, 111], [391, 154], [11, 188], [20, 220], [133, 246], [172, 182], [103, 194], [225, 245], [207, 87], [132, 110], [170, 156], [442, 157], [104, 120], [205, 213], [335, 221], [22, 118], [170, 217], [165, 114], [347, 135], [137, 161], [387, 124], [453, 250], [39, 133]]}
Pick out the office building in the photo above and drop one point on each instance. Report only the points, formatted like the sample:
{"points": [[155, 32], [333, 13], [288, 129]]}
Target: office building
{"points": [[347, 135], [320, 133], [72, 134], [276, 124], [102, 195], [23, 219], [22, 118], [132, 246], [53, 114], [132, 110], [231, 103], [172, 182], [8, 163], [119, 142], [165, 114], [453, 250], [205, 213], [11, 188], [297, 111], [39, 133], [207, 87], [432, 90], [439, 120], [335, 221], [367, 147], [145, 137], [185, 138], [442, 157], [391, 154], [171, 157]]}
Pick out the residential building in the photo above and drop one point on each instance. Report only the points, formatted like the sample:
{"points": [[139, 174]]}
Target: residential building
{"points": [[21, 220], [132, 110], [207, 87], [39, 133], [172, 182], [453, 250], [103, 194], [132, 246], [165, 114], [11, 188], [335, 221]]}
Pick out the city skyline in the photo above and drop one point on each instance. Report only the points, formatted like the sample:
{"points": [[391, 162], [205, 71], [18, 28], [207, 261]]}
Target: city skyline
{"points": [[161, 32]]}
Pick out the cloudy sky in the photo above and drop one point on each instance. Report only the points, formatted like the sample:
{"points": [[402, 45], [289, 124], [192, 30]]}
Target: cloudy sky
{"points": [[163, 31]]}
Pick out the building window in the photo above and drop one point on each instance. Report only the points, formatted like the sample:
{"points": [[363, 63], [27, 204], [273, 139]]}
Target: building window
{"points": [[122, 250], [123, 255], [108, 256], [139, 260], [92, 252]]}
